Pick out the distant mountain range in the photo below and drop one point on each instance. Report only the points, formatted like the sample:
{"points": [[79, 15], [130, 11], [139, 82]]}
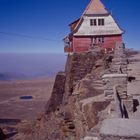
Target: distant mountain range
{"points": [[12, 76], [21, 76], [30, 66]]}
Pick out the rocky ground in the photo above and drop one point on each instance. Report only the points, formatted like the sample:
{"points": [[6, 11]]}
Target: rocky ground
{"points": [[77, 102], [79, 109]]}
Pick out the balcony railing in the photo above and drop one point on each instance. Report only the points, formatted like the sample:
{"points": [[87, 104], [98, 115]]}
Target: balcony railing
{"points": [[67, 49]]}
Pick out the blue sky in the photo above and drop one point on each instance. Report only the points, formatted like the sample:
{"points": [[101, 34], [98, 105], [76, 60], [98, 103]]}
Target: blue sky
{"points": [[50, 18]]}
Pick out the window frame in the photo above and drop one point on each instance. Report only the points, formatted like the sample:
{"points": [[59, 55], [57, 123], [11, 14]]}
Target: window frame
{"points": [[93, 22], [101, 22]]}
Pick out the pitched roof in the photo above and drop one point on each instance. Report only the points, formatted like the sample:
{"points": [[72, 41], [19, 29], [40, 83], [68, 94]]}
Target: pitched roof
{"points": [[96, 7], [74, 22]]}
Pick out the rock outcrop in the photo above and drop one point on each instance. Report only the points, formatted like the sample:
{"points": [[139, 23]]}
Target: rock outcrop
{"points": [[77, 67], [57, 93], [76, 100], [89, 95], [120, 129]]}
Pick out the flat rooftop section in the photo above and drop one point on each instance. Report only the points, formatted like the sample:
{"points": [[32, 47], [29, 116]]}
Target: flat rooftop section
{"points": [[121, 128]]}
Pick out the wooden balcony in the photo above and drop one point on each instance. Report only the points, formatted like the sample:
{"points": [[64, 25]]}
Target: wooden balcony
{"points": [[67, 49]]}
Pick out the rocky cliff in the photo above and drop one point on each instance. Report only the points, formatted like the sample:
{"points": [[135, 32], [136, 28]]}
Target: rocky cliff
{"points": [[91, 90]]}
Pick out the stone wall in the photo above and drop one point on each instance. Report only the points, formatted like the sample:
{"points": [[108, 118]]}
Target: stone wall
{"points": [[115, 85], [119, 63], [118, 75], [118, 80]]}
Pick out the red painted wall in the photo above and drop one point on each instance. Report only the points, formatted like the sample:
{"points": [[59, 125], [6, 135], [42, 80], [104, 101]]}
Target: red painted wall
{"points": [[81, 44], [110, 41]]}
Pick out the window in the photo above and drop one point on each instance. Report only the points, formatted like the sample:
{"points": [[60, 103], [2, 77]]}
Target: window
{"points": [[101, 40], [93, 40], [97, 40], [101, 22], [93, 22]]}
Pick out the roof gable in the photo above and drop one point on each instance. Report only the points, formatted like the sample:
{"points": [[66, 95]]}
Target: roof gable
{"points": [[98, 10], [109, 28], [96, 7]]}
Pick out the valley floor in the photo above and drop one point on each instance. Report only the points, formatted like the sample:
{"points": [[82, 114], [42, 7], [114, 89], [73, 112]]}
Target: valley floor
{"points": [[13, 109]]}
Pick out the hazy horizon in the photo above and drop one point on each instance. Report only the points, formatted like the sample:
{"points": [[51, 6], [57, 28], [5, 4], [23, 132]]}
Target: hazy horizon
{"points": [[31, 65]]}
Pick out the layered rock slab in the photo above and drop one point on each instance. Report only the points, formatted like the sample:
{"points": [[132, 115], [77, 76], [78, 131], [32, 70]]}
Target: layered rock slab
{"points": [[120, 129]]}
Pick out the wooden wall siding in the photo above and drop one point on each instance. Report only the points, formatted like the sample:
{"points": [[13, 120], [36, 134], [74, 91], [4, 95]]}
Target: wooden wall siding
{"points": [[81, 44], [110, 27], [110, 41]]}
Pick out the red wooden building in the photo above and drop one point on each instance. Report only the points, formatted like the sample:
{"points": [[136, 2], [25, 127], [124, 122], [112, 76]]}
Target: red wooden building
{"points": [[95, 28]]}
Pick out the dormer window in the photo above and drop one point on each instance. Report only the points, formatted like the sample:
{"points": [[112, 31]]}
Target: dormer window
{"points": [[97, 22], [101, 22], [93, 22]]}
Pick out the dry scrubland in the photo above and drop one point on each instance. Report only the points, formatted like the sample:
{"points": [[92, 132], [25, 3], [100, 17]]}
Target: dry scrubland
{"points": [[12, 107]]}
